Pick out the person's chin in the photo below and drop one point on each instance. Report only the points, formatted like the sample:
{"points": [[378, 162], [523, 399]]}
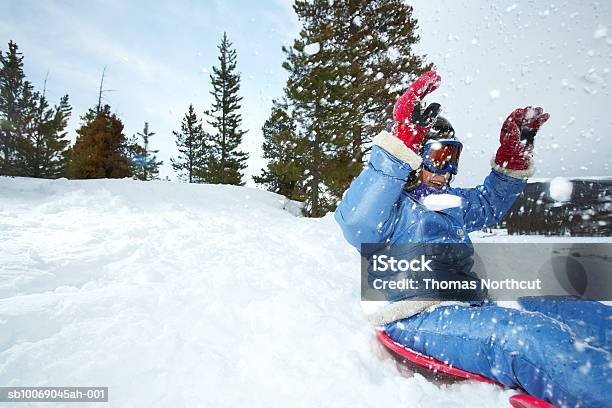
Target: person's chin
{"points": [[438, 186]]}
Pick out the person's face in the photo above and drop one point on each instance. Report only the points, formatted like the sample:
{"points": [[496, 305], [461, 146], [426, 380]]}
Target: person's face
{"points": [[435, 180]]}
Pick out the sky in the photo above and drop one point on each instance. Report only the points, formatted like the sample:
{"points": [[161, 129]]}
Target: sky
{"points": [[158, 57], [493, 56]]}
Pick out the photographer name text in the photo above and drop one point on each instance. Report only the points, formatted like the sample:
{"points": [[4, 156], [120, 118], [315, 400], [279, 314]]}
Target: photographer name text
{"points": [[434, 284]]}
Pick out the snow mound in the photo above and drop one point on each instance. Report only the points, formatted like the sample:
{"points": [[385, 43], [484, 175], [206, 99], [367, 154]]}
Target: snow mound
{"points": [[191, 295]]}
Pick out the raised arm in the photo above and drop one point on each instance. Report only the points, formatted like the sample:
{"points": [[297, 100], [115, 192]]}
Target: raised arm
{"points": [[512, 165], [370, 205], [487, 203]]}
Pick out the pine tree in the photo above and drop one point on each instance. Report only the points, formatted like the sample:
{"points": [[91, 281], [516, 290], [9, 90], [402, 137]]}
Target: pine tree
{"points": [[17, 111], [374, 42], [25, 129], [284, 169], [347, 67], [225, 162], [311, 91], [34, 143], [11, 85], [101, 148], [46, 145], [56, 157], [32, 134], [144, 160], [190, 164]]}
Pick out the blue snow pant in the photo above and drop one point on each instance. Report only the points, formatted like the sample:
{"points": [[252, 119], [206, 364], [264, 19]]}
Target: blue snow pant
{"points": [[556, 349]]}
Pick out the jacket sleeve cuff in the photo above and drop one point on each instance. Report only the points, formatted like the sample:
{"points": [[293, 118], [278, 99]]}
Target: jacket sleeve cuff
{"points": [[397, 149], [519, 174]]}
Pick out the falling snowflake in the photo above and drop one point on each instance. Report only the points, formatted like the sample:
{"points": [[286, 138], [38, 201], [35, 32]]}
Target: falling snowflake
{"points": [[600, 32]]}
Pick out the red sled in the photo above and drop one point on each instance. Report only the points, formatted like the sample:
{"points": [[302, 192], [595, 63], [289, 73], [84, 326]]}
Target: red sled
{"points": [[437, 366]]}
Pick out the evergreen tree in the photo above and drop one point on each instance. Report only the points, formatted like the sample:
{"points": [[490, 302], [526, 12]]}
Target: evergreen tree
{"points": [[351, 61], [56, 158], [101, 148], [33, 143], [190, 164], [17, 111], [11, 85], [32, 134], [144, 160], [284, 169], [24, 131], [46, 146], [374, 48], [225, 162], [311, 91]]}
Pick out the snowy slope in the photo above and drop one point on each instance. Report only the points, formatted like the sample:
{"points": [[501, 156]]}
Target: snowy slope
{"points": [[191, 295]]}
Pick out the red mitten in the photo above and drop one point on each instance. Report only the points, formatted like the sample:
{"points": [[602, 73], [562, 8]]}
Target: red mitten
{"points": [[516, 137], [413, 122]]}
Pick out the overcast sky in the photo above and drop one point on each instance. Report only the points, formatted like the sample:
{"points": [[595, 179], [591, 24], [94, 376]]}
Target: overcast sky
{"points": [[493, 56]]}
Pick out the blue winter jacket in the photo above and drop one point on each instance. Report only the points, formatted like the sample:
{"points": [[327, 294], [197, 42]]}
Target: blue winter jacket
{"points": [[377, 209]]}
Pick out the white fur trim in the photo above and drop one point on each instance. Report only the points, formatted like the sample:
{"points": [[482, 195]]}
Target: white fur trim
{"points": [[519, 174], [398, 149], [390, 312]]}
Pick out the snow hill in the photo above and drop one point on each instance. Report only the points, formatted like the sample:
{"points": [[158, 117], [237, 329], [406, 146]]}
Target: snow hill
{"points": [[177, 295]]}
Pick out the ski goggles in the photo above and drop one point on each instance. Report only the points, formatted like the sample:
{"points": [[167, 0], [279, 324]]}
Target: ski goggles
{"points": [[442, 156]]}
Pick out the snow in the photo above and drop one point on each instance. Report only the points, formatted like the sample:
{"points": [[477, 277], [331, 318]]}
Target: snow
{"points": [[561, 189], [588, 178], [312, 49], [393, 53], [439, 202], [191, 295], [195, 295], [530, 113], [600, 32]]}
